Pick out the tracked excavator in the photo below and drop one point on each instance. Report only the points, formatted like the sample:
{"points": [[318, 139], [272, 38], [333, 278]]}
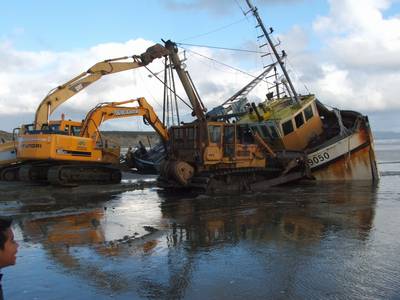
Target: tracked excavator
{"points": [[9, 158], [208, 155], [68, 153]]}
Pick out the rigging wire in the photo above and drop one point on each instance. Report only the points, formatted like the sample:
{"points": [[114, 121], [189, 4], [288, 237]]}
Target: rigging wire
{"points": [[154, 98], [297, 75], [244, 13], [155, 75], [215, 30], [165, 88], [291, 67], [221, 63], [175, 98], [223, 48]]}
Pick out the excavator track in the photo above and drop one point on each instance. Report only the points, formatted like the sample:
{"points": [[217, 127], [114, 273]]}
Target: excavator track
{"points": [[33, 173], [231, 180], [67, 175], [238, 179], [9, 173]]}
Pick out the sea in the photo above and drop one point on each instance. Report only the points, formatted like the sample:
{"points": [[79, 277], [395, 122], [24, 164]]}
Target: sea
{"points": [[133, 241]]}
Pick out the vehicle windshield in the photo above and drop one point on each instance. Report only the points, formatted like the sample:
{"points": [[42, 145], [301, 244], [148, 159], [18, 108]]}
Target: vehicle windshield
{"points": [[76, 130], [54, 127]]}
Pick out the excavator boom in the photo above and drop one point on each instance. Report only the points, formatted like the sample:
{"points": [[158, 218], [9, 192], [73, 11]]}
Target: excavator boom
{"points": [[63, 92], [115, 110]]}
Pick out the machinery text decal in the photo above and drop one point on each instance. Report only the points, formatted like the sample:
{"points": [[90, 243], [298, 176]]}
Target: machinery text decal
{"points": [[122, 112], [31, 146], [82, 144]]}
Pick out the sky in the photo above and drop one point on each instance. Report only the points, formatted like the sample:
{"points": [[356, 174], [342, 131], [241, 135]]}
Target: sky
{"points": [[344, 51]]}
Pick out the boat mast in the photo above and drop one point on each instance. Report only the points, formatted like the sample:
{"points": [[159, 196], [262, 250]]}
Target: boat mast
{"points": [[278, 58]]}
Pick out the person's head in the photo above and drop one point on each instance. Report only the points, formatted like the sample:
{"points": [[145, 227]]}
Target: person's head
{"points": [[8, 246]]}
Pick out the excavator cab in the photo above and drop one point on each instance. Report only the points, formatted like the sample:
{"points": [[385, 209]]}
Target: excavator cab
{"points": [[224, 145], [64, 127], [199, 149], [184, 142]]}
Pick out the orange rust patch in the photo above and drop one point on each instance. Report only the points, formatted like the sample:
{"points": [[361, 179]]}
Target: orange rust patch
{"points": [[355, 166]]}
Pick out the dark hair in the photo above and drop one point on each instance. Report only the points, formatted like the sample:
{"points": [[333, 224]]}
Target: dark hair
{"points": [[4, 225]]}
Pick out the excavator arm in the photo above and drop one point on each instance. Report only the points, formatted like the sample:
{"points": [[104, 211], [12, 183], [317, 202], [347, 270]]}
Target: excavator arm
{"points": [[116, 110], [63, 92], [191, 92]]}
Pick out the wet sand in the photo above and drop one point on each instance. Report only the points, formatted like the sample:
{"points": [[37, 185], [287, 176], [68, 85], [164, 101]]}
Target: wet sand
{"points": [[133, 241]]}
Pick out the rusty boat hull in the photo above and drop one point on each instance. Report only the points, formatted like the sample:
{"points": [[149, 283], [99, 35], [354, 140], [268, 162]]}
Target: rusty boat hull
{"points": [[347, 158]]}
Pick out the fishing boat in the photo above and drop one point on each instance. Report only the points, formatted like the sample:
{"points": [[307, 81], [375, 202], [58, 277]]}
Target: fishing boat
{"points": [[338, 144]]}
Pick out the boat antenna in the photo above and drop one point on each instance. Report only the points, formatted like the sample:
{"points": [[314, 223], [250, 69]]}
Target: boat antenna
{"points": [[253, 9]]}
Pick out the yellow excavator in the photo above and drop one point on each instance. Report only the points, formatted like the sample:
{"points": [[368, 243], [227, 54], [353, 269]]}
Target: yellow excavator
{"points": [[209, 155], [68, 152], [9, 156]]}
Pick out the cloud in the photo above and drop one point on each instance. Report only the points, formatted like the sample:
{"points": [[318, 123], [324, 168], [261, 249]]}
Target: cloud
{"points": [[358, 65], [217, 82], [360, 37], [27, 77], [218, 7]]}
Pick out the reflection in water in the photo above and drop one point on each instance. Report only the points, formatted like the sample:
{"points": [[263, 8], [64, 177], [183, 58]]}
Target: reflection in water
{"points": [[199, 243], [60, 236], [303, 215]]}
